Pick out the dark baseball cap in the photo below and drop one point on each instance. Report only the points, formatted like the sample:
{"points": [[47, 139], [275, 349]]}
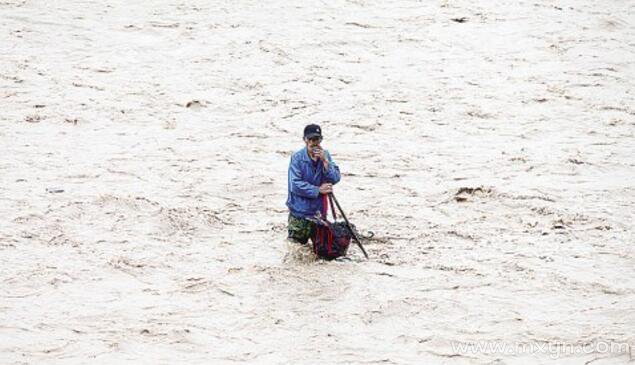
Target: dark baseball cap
{"points": [[312, 130]]}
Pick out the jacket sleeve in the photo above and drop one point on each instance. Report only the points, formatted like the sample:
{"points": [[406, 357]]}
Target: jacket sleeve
{"points": [[297, 184], [332, 174]]}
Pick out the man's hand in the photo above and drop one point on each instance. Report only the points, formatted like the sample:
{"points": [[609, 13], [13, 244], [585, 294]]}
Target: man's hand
{"points": [[326, 188], [319, 153]]}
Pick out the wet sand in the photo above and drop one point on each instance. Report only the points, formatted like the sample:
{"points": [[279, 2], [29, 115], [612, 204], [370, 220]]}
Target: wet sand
{"points": [[143, 179]]}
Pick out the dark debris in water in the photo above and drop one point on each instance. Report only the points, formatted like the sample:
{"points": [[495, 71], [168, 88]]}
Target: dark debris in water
{"points": [[194, 104], [464, 192]]}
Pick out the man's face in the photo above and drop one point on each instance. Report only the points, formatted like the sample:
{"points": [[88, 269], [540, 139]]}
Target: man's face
{"points": [[312, 142]]}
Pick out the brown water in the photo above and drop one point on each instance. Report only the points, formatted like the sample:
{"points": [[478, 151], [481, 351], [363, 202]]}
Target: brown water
{"points": [[491, 156]]}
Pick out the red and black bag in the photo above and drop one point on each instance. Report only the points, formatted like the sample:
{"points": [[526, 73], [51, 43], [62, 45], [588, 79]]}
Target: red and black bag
{"points": [[330, 240]]}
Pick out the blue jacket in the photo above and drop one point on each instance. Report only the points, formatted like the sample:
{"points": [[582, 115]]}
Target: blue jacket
{"points": [[305, 178]]}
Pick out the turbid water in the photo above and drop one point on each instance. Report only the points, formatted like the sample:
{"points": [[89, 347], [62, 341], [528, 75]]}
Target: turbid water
{"points": [[145, 148]]}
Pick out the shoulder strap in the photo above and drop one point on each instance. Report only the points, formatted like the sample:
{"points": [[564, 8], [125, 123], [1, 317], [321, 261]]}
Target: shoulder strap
{"points": [[325, 207], [332, 207]]}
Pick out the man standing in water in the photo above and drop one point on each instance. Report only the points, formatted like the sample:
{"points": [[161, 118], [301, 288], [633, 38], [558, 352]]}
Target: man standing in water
{"points": [[312, 173]]}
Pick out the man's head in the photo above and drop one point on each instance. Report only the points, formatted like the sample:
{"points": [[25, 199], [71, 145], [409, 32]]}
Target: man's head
{"points": [[312, 136]]}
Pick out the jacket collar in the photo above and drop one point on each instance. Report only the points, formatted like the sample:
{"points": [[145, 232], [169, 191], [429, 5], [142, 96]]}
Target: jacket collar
{"points": [[304, 155]]}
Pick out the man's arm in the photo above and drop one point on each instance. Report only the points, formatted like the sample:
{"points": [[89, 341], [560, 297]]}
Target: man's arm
{"points": [[332, 171], [298, 185]]}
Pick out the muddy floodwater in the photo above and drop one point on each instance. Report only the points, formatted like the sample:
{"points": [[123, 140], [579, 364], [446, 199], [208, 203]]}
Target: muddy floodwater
{"points": [[488, 146]]}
